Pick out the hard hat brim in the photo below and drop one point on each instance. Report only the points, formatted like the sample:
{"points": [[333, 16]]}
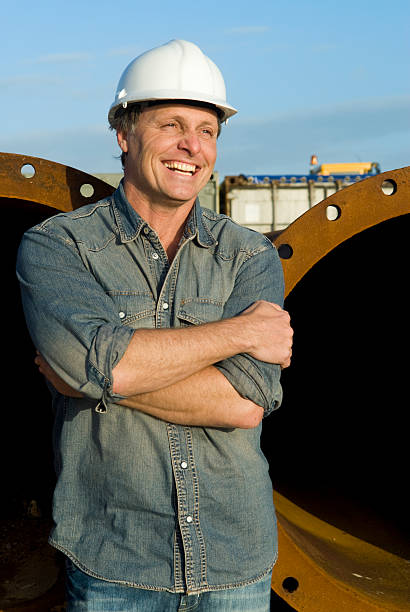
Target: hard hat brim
{"points": [[225, 110]]}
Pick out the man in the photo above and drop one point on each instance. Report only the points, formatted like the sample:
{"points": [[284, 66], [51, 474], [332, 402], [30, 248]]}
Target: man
{"points": [[160, 327]]}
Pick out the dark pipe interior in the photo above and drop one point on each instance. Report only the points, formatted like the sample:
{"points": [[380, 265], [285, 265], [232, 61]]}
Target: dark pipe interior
{"points": [[338, 446], [26, 416], [25, 436]]}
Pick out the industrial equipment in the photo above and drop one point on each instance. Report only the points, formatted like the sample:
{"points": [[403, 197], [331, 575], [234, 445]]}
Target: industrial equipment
{"points": [[343, 168]]}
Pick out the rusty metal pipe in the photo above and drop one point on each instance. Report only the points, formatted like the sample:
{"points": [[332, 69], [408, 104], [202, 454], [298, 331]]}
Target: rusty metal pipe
{"points": [[339, 465], [31, 189]]}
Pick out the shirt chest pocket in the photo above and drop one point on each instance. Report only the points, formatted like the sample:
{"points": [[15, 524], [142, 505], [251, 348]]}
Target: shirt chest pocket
{"points": [[196, 311], [134, 309]]}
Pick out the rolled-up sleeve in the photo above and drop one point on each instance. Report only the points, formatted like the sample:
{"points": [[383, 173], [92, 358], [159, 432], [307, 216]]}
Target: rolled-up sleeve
{"points": [[260, 277], [71, 319]]}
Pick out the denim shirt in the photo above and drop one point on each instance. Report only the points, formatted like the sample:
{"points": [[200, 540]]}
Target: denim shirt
{"points": [[140, 501]]}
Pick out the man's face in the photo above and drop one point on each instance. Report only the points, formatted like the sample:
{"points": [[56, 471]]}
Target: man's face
{"points": [[170, 153]]}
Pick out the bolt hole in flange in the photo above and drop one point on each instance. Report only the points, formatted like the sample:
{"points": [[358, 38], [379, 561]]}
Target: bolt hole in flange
{"points": [[389, 187], [285, 251], [86, 190], [333, 212], [28, 171], [290, 584]]}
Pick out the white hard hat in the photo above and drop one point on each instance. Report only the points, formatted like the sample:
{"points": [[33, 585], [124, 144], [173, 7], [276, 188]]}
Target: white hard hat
{"points": [[177, 70]]}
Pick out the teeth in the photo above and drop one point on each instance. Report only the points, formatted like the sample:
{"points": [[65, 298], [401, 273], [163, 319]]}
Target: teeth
{"points": [[174, 165]]}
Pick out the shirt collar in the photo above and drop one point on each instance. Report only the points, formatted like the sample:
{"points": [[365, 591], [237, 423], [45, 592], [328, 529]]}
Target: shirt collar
{"points": [[197, 227], [130, 223], [128, 220]]}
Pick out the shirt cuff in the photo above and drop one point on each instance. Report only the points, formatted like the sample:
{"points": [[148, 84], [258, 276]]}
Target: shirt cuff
{"points": [[108, 347], [254, 380]]}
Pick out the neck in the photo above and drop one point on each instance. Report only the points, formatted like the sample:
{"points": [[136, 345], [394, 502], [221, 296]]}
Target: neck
{"points": [[167, 219]]}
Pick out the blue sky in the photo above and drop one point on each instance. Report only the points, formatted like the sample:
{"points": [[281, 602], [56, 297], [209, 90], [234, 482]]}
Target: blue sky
{"points": [[325, 77]]}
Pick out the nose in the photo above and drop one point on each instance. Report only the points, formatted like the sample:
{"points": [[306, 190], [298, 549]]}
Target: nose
{"points": [[190, 143]]}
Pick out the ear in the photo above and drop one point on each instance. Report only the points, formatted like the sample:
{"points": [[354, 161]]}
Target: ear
{"points": [[122, 141]]}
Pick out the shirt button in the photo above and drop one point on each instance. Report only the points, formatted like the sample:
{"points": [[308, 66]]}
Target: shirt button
{"points": [[184, 465], [121, 315], [146, 230], [155, 256], [189, 519], [165, 306]]}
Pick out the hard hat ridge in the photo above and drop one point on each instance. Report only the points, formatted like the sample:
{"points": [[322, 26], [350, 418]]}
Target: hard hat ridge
{"points": [[177, 70]]}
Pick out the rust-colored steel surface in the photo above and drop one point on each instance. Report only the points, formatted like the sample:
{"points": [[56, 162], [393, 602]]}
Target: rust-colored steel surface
{"points": [[343, 509], [342, 215], [54, 185], [337, 447]]}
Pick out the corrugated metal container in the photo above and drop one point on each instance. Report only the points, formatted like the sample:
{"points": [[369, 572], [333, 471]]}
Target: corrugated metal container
{"points": [[209, 195], [271, 203]]}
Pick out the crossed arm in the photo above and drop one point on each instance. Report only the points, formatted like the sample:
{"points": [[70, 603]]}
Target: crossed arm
{"points": [[190, 375], [187, 388]]}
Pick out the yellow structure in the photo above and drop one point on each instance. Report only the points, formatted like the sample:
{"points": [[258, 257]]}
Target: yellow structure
{"points": [[349, 168], [343, 168]]}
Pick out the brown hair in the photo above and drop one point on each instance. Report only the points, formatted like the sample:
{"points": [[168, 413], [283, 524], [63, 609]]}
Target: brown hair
{"points": [[124, 121]]}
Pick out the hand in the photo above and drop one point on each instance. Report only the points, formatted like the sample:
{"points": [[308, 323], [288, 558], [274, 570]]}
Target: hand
{"points": [[58, 383], [270, 333]]}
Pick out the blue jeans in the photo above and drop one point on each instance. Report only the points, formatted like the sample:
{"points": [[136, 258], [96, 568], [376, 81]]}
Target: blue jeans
{"points": [[87, 593]]}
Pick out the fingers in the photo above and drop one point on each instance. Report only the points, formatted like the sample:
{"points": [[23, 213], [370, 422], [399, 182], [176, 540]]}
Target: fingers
{"points": [[41, 363], [271, 334]]}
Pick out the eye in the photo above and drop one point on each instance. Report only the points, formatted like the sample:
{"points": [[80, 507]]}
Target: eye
{"points": [[207, 132], [169, 125]]}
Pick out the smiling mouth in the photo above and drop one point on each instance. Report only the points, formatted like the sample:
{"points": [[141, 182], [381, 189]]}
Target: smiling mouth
{"points": [[181, 167]]}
